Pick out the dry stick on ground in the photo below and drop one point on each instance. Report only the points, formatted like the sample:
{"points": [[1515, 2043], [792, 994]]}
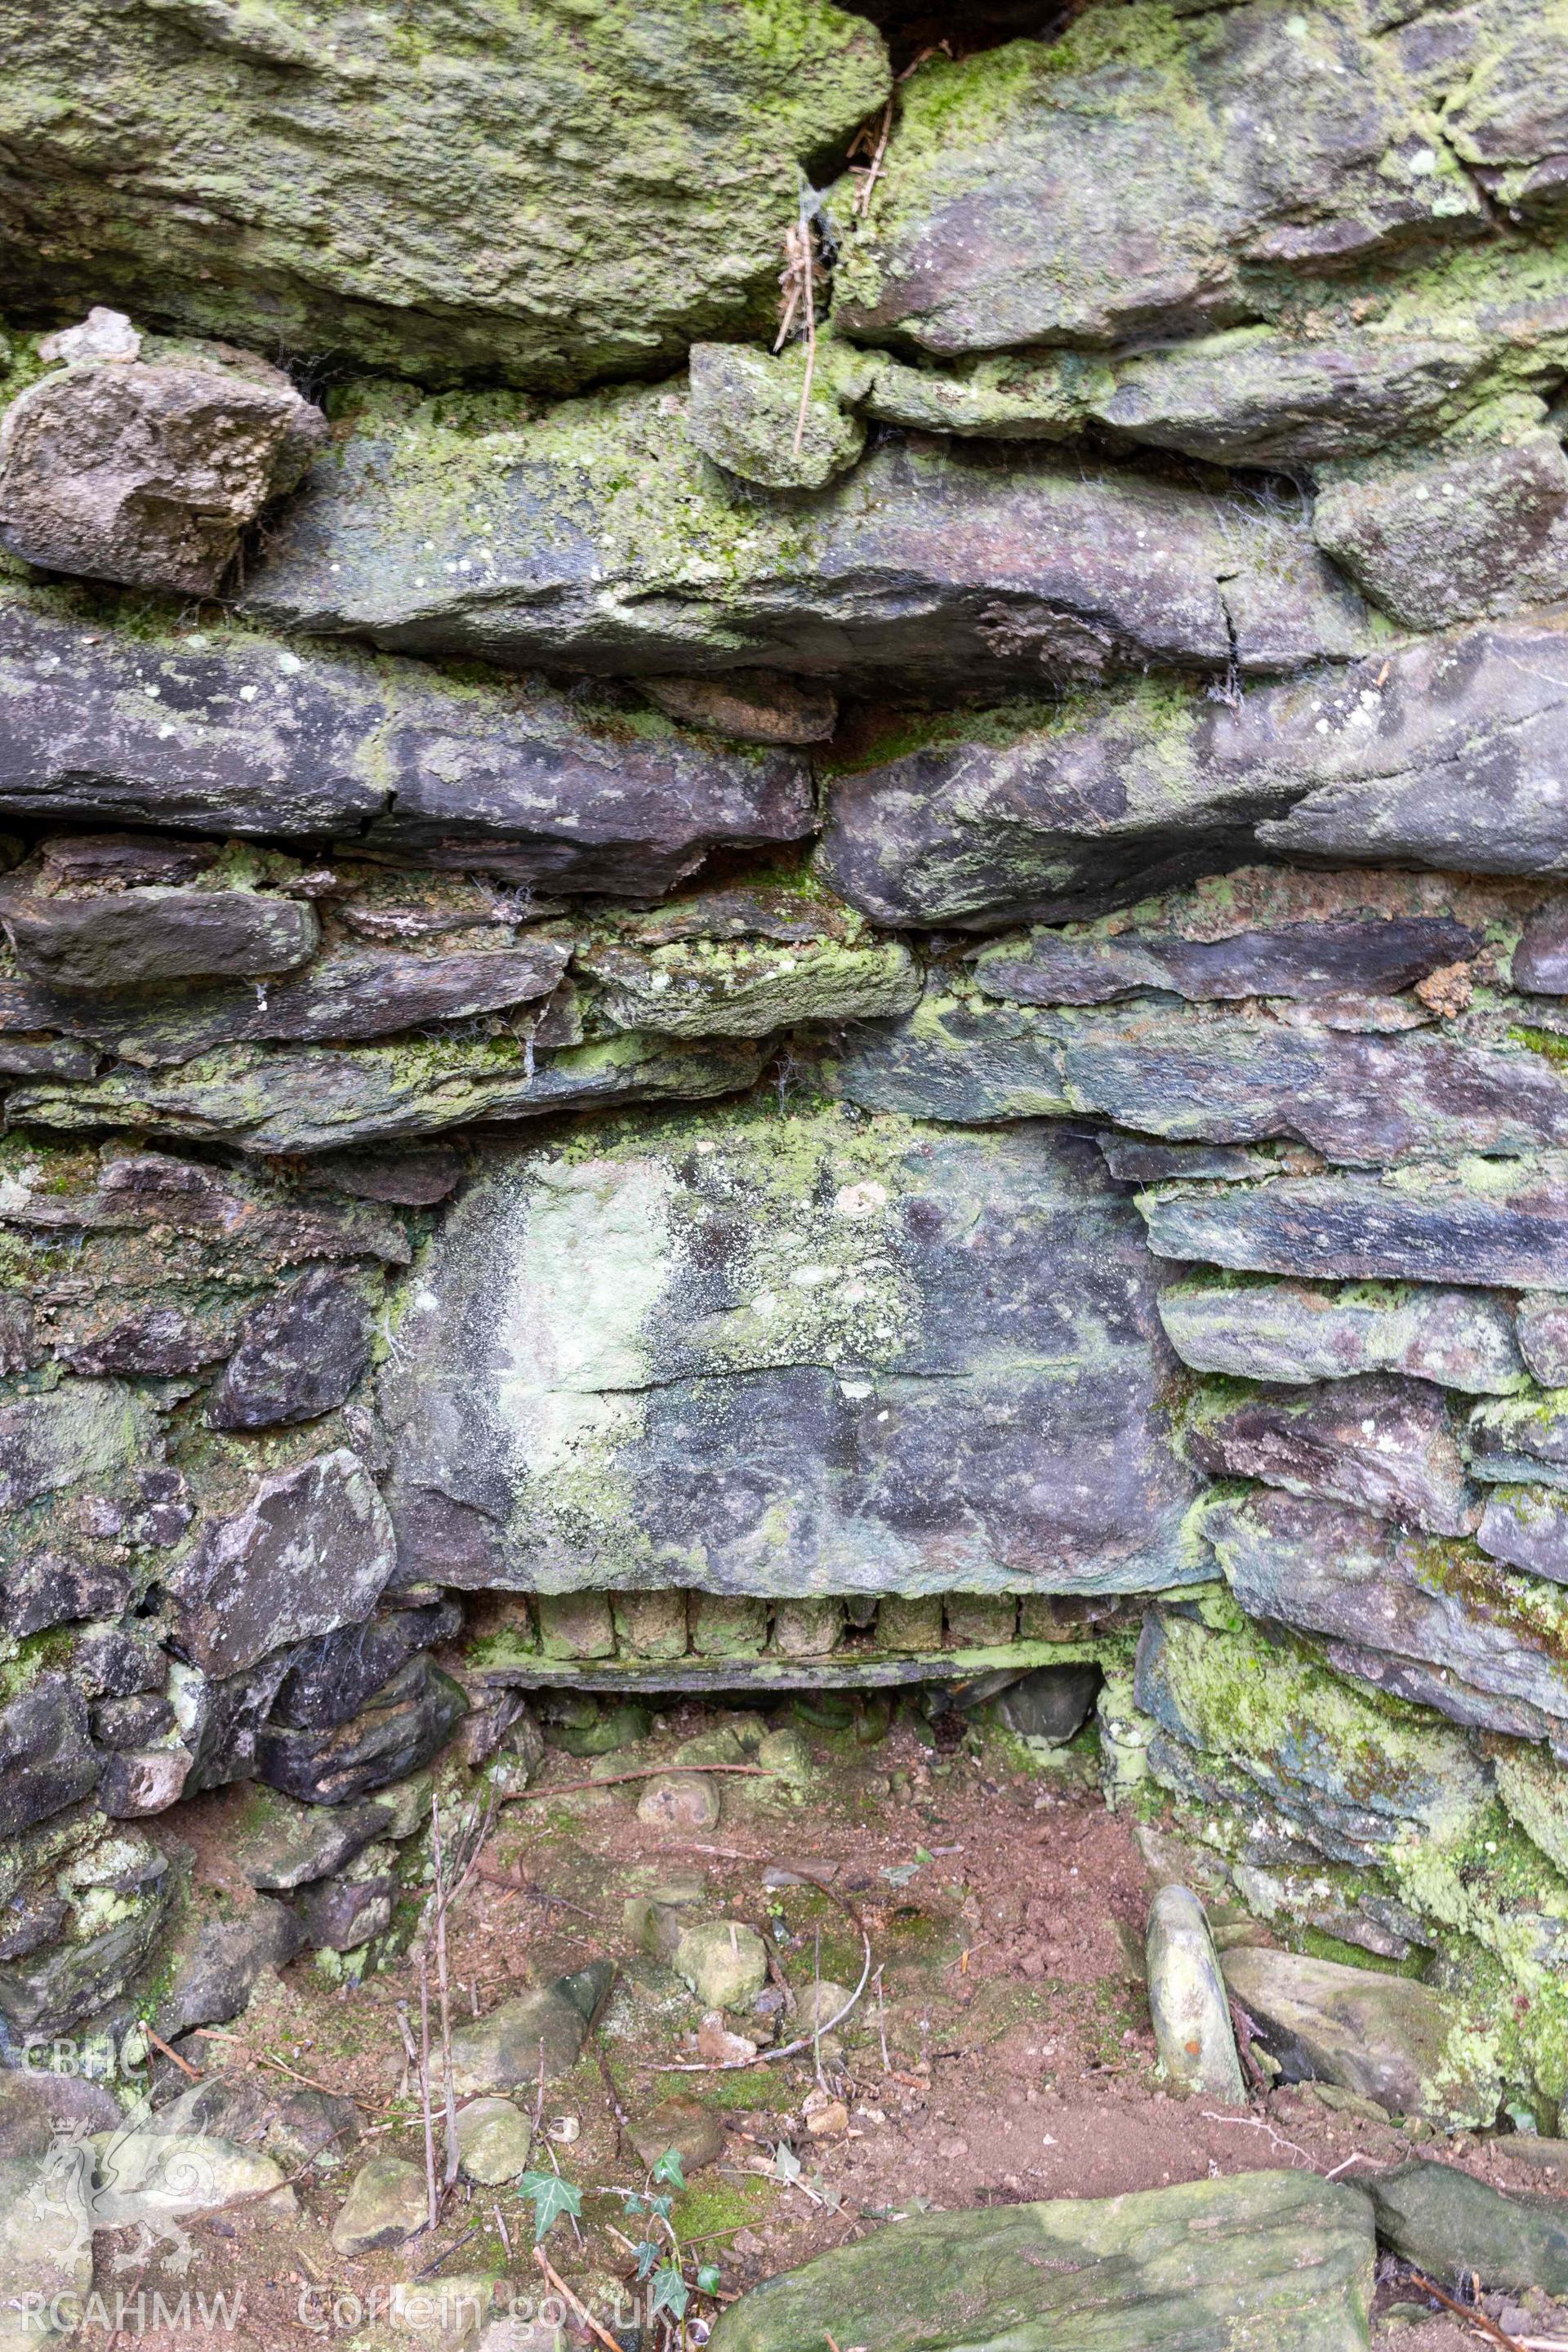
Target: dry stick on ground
{"points": [[552, 2279], [182, 2063], [643, 1772], [623, 2121], [444, 1992], [1469, 2312], [807, 2041], [266, 2058], [428, 2119]]}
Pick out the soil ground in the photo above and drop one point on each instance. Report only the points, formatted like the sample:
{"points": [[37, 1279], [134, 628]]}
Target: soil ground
{"points": [[1002, 2053]]}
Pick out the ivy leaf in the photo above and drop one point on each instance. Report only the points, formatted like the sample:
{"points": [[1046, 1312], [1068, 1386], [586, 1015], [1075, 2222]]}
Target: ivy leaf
{"points": [[661, 2206], [786, 2164], [668, 2168], [647, 2255], [552, 2197], [670, 2291], [707, 2278]]}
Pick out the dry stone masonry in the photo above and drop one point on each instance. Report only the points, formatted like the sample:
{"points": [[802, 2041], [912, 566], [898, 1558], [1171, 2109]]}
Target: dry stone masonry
{"points": [[679, 1015]]}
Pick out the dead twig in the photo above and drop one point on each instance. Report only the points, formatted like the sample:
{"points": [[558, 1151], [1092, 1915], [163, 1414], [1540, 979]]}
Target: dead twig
{"points": [[182, 2063], [553, 2280], [1469, 2312], [517, 1882], [623, 2121], [870, 141], [443, 1991], [426, 2116]]}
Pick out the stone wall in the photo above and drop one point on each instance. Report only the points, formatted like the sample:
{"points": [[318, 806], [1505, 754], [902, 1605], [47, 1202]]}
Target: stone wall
{"points": [[679, 1014]]}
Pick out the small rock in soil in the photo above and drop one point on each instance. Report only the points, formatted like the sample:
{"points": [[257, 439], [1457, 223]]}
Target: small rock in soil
{"points": [[681, 1801], [724, 1963], [493, 2141], [387, 2202], [692, 2130]]}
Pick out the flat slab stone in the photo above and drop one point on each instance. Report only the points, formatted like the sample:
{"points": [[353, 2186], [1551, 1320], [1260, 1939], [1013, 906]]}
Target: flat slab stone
{"points": [[1339, 1572], [1387, 1445], [1275, 2258], [1300, 1331], [238, 733], [1503, 1222], [1430, 2213], [1440, 753], [1383, 2037], [783, 1355], [1211, 1075], [600, 537], [383, 211]]}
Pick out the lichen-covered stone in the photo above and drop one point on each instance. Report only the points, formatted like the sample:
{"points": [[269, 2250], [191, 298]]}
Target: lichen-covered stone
{"points": [[47, 1757], [147, 471], [1522, 1436], [310, 1551], [1517, 2241], [749, 412], [1279, 2257], [299, 1354], [1221, 1076], [702, 987], [1118, 182], [1503, 1221], [537, 2032], [1298, 1331], [121, 939], [1440, 753], [1527, 1527], [1387, 1445], [549, 199], [764, 1354], [599, 537], [1187, 2000], [1305, 961], [1482, 530], [1356, 1778], [385, 2204], [304, 1100], [232, 730], [1339, 1572], [1382, 2037]]}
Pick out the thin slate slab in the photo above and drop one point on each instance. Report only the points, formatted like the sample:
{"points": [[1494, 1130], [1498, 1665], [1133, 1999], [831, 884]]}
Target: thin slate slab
{"points": [[1212, 1076], [1441, 753], [600, 537], [233, 732], [1300, 1331], [1431, 2213], [1337, 1572], [1503, 1222], [1274, 2259], [785, 1354]]}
